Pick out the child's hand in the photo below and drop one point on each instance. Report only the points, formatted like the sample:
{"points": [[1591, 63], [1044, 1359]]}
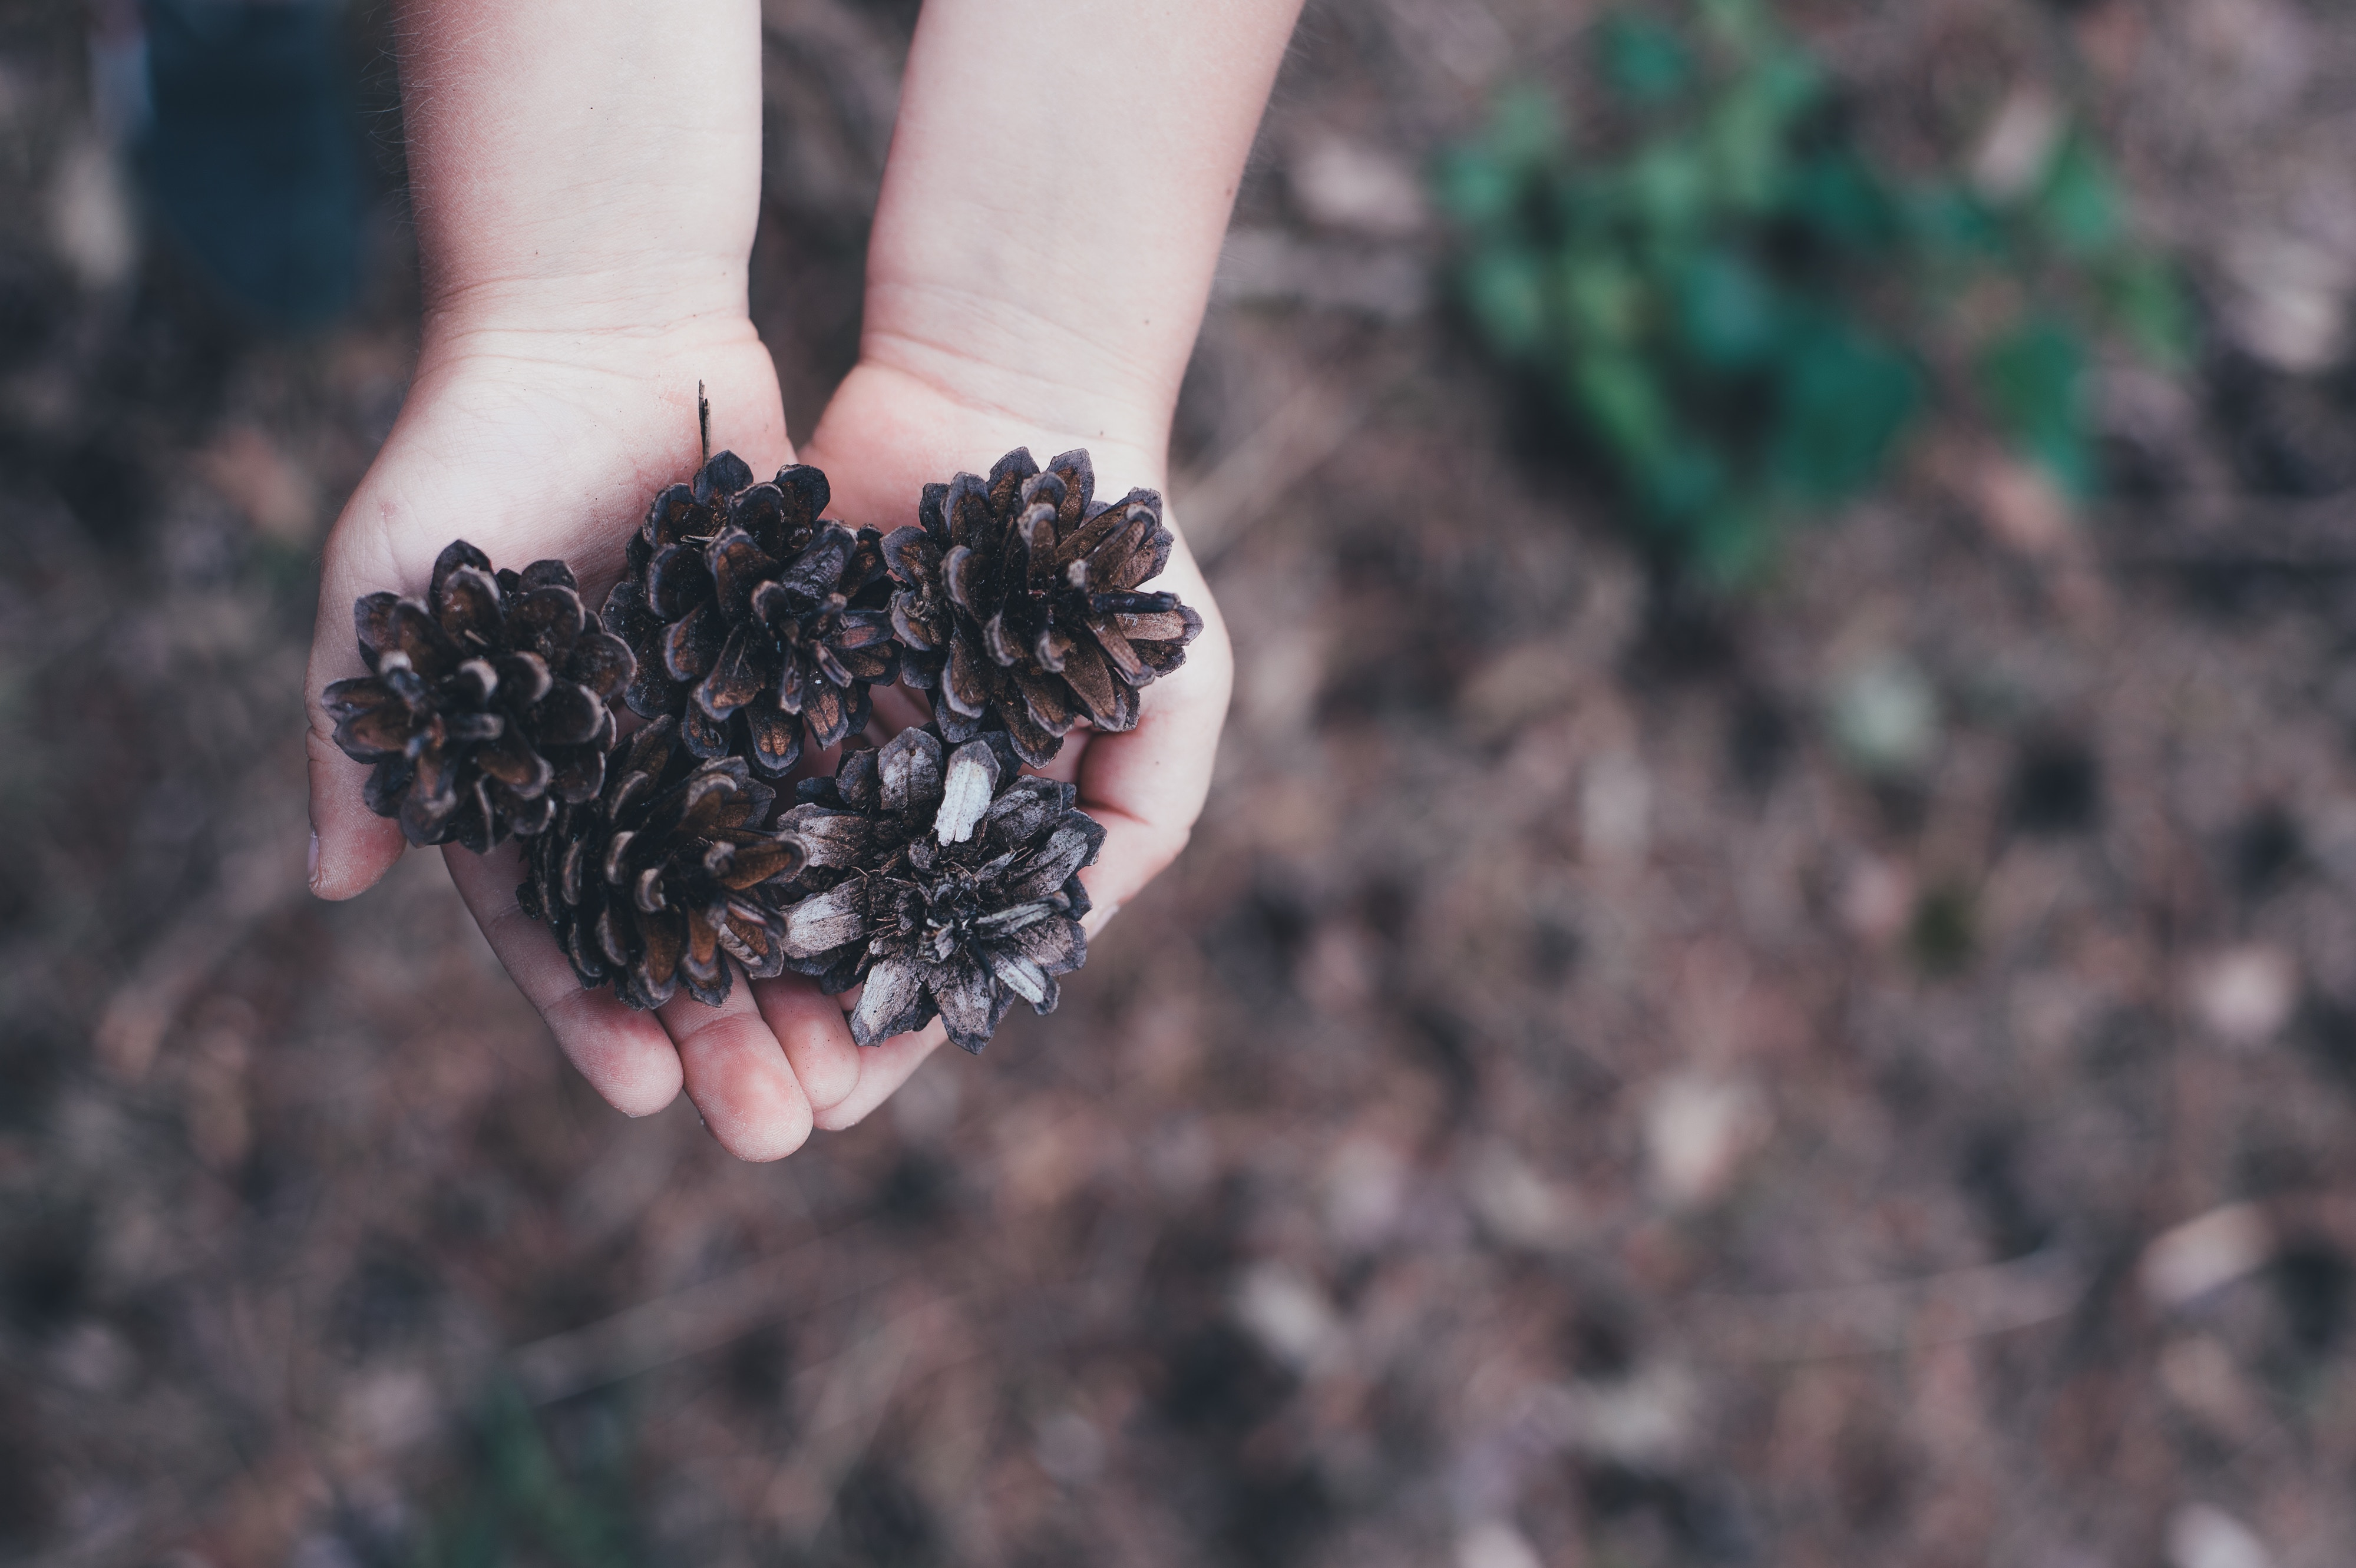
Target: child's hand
{"points": [[886, 434], [530, 455], [586, 182], [586, 179]]}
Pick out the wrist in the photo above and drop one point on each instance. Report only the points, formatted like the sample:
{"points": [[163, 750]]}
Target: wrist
{"points": [[604, 366], [1081, 373], [621, 315], [588, 422], [589, 168]]}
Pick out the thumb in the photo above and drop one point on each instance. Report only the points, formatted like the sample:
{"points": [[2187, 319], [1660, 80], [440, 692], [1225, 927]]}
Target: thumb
{"points": [[351, 847]]}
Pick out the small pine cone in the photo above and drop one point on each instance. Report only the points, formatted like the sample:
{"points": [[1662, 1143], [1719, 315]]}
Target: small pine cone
{"points": [[947, 887], [666, 875], [484, 706], [752, 617], [1019, 603]]}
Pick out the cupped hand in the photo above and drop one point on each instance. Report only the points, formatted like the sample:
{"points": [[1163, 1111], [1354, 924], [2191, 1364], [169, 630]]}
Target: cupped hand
{"points": [[532, 447], [535, 450], [884, 437]]}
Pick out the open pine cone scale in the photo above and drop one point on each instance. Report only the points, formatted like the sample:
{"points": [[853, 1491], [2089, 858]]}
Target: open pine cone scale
{"points": [[1020, 603], [484, 706], [751, 604], [932, 875], [945, 880], [657, 884]]}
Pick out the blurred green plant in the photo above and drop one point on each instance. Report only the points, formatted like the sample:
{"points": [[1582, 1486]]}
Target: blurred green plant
{"points": [[519, 1502], [1742, 315], [1942, 933]]}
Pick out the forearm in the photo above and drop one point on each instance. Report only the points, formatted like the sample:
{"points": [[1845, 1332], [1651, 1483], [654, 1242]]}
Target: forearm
{"points": [[1060, 178], [592, 166]]}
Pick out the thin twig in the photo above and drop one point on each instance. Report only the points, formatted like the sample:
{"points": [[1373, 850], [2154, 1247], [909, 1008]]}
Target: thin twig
{"points": [[1890, 1315], [255, 883]]}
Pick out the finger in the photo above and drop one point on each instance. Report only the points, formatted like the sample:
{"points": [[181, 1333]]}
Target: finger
{"points": [[625, 1054], [1147, 785], [1065, 766], [882, 1069], [1133, 854], [808, 1024], [738, 1076], [351, 847]]}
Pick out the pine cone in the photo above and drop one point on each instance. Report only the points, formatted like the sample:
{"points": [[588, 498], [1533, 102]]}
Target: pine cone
{"points": [[1019, 603], [484, 705], [667, 874], [950, 890], [752, 617]]}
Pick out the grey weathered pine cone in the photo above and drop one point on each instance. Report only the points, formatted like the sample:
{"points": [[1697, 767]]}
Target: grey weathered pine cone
{"points": [[667, 873], [484, 708], [1019, 603], [754, 619], [944, 879]]}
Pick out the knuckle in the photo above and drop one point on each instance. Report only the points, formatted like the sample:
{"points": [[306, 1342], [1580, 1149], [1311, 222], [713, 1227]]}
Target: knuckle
{"points": [[828, 1086], [1167, 846], [842, 1115], [504, 921], [714, 1030]]}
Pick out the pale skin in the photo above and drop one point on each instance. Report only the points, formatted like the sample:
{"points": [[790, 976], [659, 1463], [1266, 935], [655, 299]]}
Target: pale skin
{"points": [[586, 181]]}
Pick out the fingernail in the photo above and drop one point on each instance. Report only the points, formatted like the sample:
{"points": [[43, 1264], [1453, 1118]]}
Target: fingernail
{"points": [[314, 860]]}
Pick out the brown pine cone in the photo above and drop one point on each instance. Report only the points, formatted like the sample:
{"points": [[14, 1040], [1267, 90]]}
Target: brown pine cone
{"points": [[666, 875], [753, 618], [484, 705], [947, 884], [1019, 603]]}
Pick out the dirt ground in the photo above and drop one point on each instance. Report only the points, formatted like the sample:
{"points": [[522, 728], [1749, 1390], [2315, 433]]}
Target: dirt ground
{"points": [[1863, 1073]]}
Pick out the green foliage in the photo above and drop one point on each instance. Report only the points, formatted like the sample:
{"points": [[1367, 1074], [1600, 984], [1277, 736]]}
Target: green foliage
{"points": [[2031, 378], [1942, 935], [1741, 317], [521, 1503]]}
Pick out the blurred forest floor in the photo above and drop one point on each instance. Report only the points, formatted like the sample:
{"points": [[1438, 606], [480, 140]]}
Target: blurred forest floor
{"points": [[1862, 1074]]}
